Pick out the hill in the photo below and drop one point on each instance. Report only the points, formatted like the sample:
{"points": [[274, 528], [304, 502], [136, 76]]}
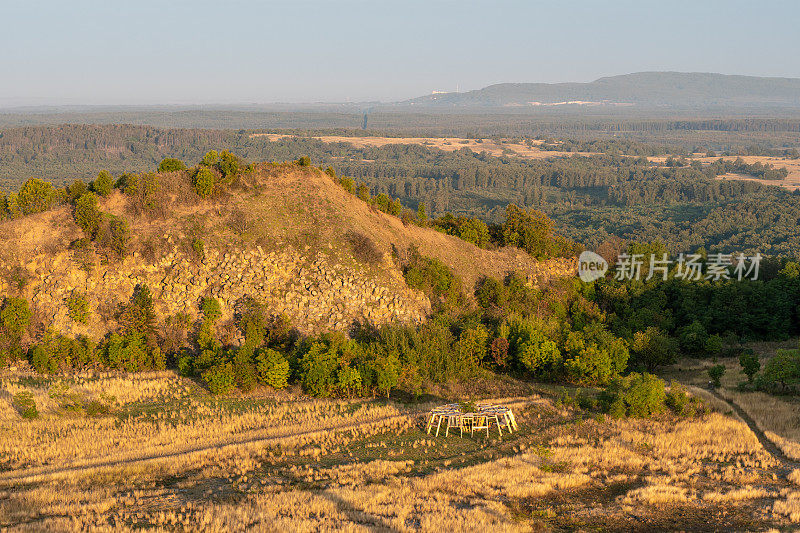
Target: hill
{"points": [[641, 89], [291, 238]]}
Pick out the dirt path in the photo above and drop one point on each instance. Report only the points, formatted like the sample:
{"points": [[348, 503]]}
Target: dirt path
{"points": [[768, 445]]}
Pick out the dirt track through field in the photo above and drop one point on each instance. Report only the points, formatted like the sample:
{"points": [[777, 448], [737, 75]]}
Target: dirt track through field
{"points": [[768, 445], [37, 474]]}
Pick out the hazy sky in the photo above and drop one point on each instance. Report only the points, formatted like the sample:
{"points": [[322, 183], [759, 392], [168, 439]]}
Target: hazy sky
{"points": [[174, 51]]}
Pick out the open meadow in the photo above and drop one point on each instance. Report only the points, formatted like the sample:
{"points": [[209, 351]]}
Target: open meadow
{"points": [[154, 450]]}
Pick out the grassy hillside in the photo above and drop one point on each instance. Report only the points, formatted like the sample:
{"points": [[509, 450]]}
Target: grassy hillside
{"points": [[286, 232]]}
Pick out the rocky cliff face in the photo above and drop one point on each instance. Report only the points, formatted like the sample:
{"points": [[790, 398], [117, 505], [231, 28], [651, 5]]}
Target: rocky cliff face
{"points": [[317, 293]]}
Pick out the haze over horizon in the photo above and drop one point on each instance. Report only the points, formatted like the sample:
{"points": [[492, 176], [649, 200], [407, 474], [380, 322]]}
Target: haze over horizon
{"points": [[94, 53]]}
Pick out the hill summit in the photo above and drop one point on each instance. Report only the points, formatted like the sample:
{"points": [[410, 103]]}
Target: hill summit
{"points": [[288, 236]]}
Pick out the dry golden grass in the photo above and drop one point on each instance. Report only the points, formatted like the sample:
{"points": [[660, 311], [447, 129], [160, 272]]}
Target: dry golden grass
{"points": [[353, 466], [448, 144]]}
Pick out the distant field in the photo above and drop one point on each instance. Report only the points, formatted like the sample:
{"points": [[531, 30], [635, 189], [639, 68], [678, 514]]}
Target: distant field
{"points": [[447, 144]]}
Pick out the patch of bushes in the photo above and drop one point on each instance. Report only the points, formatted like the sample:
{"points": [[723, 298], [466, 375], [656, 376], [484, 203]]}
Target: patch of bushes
{"points": [[170, 164], [36, 196], [273, 368], [203, 182], [436, 280], [78, 307], [25, 405], [715, 373], [636, 395], [103, 184], [363, 248]]}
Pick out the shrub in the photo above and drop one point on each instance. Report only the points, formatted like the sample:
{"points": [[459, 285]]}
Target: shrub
{"points": [[128, 353], [362, 191], [436, 280], [272, 368], [86, 214], [139, 316], [203, 183], [244, 370], [175, 332], [228, 166], [113, 235], [387, 369], [475, 231], [210, 158], [347, 184], [319, 366], [220, 378], [146, 195], [363, 248], [170, 164], [36, 196], [715, 373], [103, 184], [750, 364], [25, 405], [331, 172], [636, 395], [680, 402], [304, 161], [211, 309], [76, 190], [78, 307], [499, 352], [199, 248], [348, 381], [15, 315]]}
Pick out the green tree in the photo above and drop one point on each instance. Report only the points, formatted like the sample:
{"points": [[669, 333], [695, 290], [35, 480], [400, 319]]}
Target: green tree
{"points": [[783, 368], [36, 196], [476, 232], [103, 184], [203, 183], [273, 368], [220, 378], [304, 161], [422, 215], [86, 214], [15, 315], [387, 368], [210, 159], [319, 366], [653, 348], [750, 364], [170, 164], [715, 373]]}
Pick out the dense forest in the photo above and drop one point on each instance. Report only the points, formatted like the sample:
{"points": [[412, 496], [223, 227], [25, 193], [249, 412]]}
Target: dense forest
{"points": [[592, 199]]}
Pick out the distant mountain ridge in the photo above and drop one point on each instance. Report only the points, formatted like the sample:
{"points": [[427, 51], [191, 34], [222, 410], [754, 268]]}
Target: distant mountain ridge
{"points": [[642, 89]]}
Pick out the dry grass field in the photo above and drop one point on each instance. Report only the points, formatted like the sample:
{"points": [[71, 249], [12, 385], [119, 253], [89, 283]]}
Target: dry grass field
{"points": [[492, 147], [156, 451]]}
